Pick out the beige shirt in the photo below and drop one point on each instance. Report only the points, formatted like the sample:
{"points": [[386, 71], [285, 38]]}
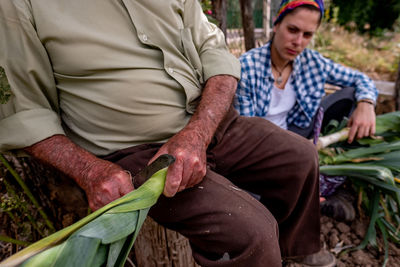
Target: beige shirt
{"points": [[108, 74]]}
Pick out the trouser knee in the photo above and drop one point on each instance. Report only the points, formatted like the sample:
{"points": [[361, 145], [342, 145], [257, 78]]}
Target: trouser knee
{"points": [[305, 155], [256, 241]]}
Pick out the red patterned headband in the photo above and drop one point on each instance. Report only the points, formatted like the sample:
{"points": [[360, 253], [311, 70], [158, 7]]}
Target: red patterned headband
{"points": [[288, 5]]}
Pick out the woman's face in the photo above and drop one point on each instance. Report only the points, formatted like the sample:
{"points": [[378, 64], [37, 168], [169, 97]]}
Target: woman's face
{"points": [[294, 32]]}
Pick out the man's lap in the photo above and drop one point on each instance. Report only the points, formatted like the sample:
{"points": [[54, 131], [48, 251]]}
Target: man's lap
{"points": [[252, 153]]}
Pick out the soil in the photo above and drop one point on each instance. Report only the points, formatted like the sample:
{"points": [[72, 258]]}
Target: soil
{"points": [[339, 234]]}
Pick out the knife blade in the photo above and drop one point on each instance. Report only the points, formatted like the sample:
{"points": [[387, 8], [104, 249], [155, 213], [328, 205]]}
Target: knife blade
{"points": [[161, 162]]}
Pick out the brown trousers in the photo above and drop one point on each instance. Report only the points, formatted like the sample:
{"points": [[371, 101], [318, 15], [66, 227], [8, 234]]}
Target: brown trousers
{"points": [[218, 217]]}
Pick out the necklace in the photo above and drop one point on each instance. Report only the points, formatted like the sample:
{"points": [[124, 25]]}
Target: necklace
{"points": [[279, 79]]}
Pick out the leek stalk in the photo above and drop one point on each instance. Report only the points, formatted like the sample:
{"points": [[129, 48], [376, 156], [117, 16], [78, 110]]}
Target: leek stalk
{"points": [[103, 237]]}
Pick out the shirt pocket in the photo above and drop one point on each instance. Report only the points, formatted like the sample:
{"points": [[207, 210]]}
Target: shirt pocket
{"points": [[191, 53]]}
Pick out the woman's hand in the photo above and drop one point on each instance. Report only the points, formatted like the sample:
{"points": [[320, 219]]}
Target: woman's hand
{"points": [[362, 121]]}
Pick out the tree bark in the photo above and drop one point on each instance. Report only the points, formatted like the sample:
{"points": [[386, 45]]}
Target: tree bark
{"points": [[157, 246], [267, 18], [248, 24], [219, 8]]}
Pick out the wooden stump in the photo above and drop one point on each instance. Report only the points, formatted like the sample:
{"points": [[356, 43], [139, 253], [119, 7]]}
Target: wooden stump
{"points": [[157, 246]]}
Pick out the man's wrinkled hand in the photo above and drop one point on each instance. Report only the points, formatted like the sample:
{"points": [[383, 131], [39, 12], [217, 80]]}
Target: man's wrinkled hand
{"points": [[189, 167], [105, 182], [189, 146]]}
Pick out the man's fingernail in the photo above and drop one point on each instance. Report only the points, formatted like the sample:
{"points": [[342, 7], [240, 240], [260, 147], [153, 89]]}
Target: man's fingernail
{"points": [[167, 192]]}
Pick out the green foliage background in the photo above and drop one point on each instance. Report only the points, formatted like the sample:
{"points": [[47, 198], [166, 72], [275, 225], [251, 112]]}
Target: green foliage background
{"points": [[372, 16], [234, 19]]}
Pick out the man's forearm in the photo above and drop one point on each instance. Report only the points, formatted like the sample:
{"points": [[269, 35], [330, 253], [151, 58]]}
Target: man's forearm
{"points": [[103, 181], [215, 102], [189, 145], [61, 153]]}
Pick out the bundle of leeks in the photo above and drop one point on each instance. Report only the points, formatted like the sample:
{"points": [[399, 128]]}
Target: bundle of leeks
{"points": [[373, 165], [103, 238]]}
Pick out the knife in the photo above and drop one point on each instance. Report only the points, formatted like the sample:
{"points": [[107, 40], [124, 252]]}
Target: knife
{"points": [[161, 162]]}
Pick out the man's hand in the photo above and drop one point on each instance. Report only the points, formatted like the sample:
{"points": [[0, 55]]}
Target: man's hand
{"points": [[103, 181], [189, 146], [189, 167], [362, 121]]}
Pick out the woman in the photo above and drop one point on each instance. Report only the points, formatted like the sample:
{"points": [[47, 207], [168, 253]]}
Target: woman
{"points": [[283, 81]]}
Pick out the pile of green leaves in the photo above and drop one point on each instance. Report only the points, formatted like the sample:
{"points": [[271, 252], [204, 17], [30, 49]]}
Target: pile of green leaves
{"points": [[373, 165]]}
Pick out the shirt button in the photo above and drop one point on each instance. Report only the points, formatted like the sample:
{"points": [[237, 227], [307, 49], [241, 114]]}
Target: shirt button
{"points": [[170, 70], [144, 37]]}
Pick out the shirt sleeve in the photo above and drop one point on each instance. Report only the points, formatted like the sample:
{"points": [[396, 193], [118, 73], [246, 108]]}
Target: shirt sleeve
{"points": [[31, 113], [243, 99], [209, 42], [344, 76]]}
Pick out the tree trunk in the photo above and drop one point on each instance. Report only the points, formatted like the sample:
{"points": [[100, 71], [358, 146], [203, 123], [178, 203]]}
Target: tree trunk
{"points": [[219, 8], [248, 24], [267, 18], [274, 9], [157, 246], [397, 89]]}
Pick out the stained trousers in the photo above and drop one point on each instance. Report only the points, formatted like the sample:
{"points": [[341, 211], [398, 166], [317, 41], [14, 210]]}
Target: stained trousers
{"points": [[219, 216]]}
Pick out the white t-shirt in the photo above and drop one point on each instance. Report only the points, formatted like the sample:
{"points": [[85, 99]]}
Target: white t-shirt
{"points": [[282, 100]]}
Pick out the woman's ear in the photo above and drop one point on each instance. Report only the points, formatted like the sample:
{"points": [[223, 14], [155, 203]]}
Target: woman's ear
{"points": [[274, 28]]}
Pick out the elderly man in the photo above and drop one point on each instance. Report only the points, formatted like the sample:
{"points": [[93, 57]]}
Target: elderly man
{"points": [[104, 87]]}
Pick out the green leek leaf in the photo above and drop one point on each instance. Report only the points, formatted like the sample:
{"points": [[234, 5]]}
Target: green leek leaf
{"points": [[98, 237]]}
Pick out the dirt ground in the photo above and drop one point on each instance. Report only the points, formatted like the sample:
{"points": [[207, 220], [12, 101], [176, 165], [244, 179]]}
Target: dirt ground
{"points": [[339, 234]]}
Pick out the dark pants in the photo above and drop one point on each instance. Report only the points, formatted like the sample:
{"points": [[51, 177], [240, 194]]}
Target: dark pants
{"points": [[219, 217], [336, 106]]}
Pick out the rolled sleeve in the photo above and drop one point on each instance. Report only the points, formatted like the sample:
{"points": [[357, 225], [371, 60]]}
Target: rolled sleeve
{"points": [[31, 113], [210, 43], [25, 128], [217, 62]]}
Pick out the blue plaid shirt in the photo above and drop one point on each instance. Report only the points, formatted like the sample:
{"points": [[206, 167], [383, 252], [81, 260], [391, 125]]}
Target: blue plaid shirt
{"points": [[310, 72]]}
